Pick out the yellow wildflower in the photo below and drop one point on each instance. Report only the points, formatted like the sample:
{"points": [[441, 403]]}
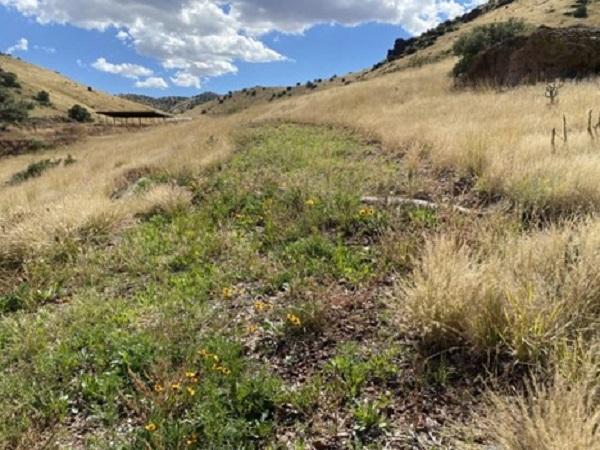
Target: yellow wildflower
{"points": [[261, 306], [158, 388], [190, 375], [228, 293], [203, 353], [151, 427], [191, 391], [310, 203], [294, 320], [366, 212], [176, 386], [251, 329]]}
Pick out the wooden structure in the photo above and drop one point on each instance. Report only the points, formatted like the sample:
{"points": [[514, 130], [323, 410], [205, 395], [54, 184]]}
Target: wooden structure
{"points": [[124, 117]]}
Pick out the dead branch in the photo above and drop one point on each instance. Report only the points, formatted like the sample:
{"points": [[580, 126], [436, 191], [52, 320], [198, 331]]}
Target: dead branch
{"points": [[400, 201]]}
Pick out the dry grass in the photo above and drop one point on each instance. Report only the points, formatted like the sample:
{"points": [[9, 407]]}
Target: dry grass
{"points": [[524, 294], [65, 199], [503, 138], [562, 416], [64, 93]]}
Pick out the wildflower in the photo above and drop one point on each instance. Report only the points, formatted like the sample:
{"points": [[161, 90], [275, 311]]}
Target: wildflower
{"points": [[294, 320], [191, 391], [366, 212], [261, 306], [203, 353], [190, 375], [193, 439], [176, 386], [227, 293], [151, 427], [251, 329], [310, 203], [158, 388]]}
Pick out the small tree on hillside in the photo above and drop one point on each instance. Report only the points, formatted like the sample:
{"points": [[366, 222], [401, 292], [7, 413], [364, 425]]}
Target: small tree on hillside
{"points": [[80, 114], [43, 98], [469, 45]]}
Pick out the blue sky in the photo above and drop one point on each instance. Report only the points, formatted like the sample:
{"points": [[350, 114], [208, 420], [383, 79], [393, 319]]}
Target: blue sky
{"points": [[204, 49]]}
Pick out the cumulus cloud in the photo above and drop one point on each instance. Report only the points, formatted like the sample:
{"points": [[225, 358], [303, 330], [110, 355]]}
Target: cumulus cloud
{"points": [[205, 38], [127, 70], [152, 83], [21, 46], [184, 79]]}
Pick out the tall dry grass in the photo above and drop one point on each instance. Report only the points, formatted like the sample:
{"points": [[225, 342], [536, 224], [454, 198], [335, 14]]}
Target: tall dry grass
{"points": [[67, 198], [560, 414], [522, 293], [501, 137]]}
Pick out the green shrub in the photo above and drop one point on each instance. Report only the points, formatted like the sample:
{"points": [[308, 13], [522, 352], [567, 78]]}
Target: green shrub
{"points": [[80, 114], [11, 111], [43, 97], [580, 12], [469, 45], [34, 170], [8, 79]]}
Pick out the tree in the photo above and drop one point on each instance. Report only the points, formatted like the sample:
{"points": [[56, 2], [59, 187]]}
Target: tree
{"points": [[43, 98], [80, 114], [469, 45]]}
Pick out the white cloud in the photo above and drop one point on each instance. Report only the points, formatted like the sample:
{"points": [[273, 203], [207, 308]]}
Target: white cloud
{"points": [[50, 50], [123, 36], [22, 45], [184, 79], [152, 83], [205, 38], [132, 71]]}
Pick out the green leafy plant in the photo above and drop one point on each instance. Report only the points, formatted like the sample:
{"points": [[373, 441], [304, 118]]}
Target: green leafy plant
{"points": [[469, 45], [80, 114]]}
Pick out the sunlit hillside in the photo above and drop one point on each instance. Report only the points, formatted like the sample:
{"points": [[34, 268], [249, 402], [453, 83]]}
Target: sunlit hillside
{"points": [[394, 262], [64, 93]]}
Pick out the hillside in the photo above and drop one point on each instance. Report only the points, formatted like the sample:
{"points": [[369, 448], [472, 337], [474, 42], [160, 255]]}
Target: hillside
{"points": [[552, 13], [393, 263], [175, 105], [64, 93]]}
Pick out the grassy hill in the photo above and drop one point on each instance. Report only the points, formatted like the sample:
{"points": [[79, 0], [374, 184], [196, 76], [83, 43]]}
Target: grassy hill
{"points": [[64, 93], [391, 263]]}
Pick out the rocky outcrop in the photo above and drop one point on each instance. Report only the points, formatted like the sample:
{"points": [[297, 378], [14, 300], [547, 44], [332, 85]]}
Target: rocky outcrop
{"points": [[545, 55], [405, 47]]}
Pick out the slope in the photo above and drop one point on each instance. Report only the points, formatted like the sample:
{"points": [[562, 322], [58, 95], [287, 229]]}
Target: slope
{"points": [[64, 93]]}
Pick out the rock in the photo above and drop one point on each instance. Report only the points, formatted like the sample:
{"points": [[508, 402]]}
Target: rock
{"points": [[546, 55]]}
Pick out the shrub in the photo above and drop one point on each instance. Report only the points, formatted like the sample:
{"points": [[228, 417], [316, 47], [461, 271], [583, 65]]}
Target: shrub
{"points": [[469, 45], [80, 114], [11, 111], [9, 80], [43, 97], [580, 12], [34, 170]]}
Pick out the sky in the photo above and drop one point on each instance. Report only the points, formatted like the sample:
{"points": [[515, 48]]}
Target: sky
{"points": [[184, 47]]}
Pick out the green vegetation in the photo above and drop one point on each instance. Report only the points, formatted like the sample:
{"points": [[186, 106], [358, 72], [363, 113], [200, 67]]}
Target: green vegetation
{"points": [[12, 110], [80, 114], [43, 98], [168, 327], [469, 45], [36, 169]]}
